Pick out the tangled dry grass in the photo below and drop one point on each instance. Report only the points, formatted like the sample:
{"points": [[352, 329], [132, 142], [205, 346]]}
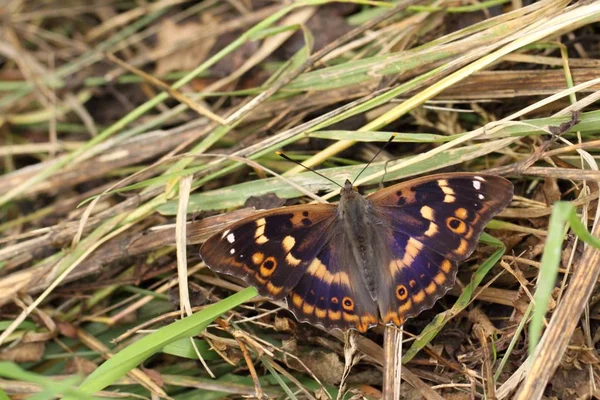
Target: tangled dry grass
{"points": [[131, 131]]}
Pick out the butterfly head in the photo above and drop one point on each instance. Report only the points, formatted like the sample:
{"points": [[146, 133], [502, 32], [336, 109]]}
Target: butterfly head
{"points": [[348, 187], [352, 204], [348, 192]]}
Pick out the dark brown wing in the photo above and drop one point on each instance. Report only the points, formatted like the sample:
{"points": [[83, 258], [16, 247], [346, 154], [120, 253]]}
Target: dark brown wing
{"points": [[332, 293], [432, 223], [446, 212], [271, 250]]}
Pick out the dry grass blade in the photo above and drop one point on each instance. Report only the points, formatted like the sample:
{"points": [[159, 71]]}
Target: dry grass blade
{"points": [[550, 350], [174, 93], [392, 367]]}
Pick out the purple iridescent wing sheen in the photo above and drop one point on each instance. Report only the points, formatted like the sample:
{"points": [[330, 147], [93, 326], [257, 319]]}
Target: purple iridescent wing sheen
{"points": [[445, 212], [414, 279], [332, 293], [273, 249], [432, 223]]}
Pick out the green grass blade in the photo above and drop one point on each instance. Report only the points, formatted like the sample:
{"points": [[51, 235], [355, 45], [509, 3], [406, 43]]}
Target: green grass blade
{"points": [[183, 348], [579, 228], [381, 136], [548, 270], [236, 195], [130, 357], [562, 213], [278, 379], [513, 342], [51, 388]]}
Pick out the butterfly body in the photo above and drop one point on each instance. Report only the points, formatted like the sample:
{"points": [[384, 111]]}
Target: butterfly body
{"points": [[361, 227], [384, 257]]}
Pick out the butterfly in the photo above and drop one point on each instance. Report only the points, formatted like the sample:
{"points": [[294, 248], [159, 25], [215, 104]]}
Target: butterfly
{"points": [[380, 258]]}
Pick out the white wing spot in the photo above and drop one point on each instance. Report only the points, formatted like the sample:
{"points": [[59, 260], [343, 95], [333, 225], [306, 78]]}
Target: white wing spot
{"points": [[232, 251], [481, 197], [477, 185], [224, 234], [230, 238], [479, 178]]}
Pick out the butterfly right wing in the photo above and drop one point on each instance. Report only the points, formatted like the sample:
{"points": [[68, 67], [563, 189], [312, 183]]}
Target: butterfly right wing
{"points": [[446, 212], [271, 250]]}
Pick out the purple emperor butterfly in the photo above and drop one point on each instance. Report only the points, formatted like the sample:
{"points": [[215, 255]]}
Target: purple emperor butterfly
{"points": [[384, 257]]}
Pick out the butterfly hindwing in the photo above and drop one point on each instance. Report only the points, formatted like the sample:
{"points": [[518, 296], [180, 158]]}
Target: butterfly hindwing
{"points": [[332, 293], [414, 279], [445, 212], [273, 249]]}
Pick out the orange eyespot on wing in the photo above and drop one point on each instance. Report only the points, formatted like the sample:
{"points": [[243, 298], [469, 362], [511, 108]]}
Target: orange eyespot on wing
{"points": [[332, 294], [402, 292], [446, 212]]}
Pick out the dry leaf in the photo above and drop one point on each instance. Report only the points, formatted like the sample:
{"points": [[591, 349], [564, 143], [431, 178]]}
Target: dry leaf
{"points": [[67, 329], [155, 376], [264, 202], [187, 58], [283, 324], [24, 352], [80, 365]]}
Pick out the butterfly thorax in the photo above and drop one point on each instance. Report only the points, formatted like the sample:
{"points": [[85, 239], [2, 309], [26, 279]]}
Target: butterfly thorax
{"points": [[359, 227]]}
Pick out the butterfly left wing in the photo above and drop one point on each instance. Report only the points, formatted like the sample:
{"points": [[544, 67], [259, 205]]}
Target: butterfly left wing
{"points": [[332, 293], [301, 252], [432, 223], [271, 250], [445, 212]]}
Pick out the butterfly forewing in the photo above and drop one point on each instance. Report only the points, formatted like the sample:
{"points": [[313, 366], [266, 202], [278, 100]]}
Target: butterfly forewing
{"points": [[272, 249], [445, 212]]}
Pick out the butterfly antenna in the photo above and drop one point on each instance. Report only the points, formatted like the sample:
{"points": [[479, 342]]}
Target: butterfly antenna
{"points": [[282, 155], [390, 140]]}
